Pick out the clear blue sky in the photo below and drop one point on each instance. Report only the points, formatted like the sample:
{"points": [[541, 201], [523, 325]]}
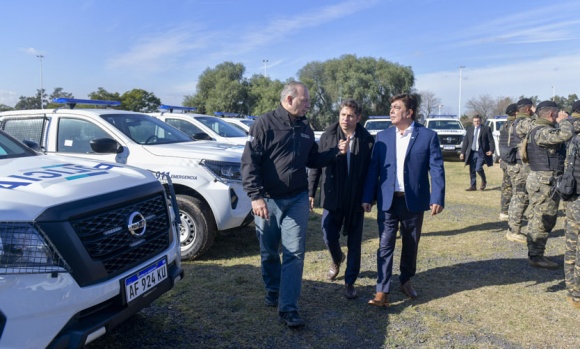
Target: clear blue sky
{"points": [[508, 48]]}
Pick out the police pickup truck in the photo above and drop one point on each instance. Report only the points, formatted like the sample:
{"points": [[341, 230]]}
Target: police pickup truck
{"points": [[205, 174], [376, 124], [84, 245], [494, 125], [450, 132]]}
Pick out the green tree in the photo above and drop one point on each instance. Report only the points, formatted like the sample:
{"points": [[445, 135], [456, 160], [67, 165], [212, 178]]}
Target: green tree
{"points": [[104, 95], [263, 94], [372, 82], [321, 112], [4, 107], [565, 103], [58, 93], [140, 101], [222, 88], [31, 102]]}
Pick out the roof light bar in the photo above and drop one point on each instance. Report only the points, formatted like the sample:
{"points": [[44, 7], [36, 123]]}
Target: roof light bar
{"points": [[433, 116], [221, 113], [379, 117], [171, 108], [72, 102]]}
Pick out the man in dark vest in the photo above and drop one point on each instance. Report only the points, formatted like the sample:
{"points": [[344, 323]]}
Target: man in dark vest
{"points": [[572, 209], [507, 158], [519, 172], [341, 186], [546, 154]]}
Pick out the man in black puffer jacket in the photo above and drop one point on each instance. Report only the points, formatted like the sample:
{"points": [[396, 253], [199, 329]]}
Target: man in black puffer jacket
{"points": [[280, 147]]}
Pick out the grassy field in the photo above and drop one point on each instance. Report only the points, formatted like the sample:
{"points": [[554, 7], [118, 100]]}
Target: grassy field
{"points": [[476, 290]]}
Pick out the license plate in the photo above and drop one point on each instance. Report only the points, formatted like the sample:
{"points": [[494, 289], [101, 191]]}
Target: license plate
{"points": [[449, 147], [145, 279]]}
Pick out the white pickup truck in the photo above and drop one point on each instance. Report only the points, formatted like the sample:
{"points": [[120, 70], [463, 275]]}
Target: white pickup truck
{"points": [[84, 245], [450, 132], [205, 174]]}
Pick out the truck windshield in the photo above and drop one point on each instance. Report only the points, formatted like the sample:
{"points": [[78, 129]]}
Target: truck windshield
{"points": [[145, 129], [220, 127], [445, 125], [377, 125], [9, 148]]}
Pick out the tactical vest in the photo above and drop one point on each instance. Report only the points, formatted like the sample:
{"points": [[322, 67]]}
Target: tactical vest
{"points": [[545, 159], [575, 160], [504, 139]]}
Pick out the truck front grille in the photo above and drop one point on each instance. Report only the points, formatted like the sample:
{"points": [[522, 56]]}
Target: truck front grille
{"points": [[450, 139], [107, 238]]}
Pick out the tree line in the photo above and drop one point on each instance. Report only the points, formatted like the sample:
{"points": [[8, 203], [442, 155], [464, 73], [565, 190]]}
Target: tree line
{"points": [[225, 88]]}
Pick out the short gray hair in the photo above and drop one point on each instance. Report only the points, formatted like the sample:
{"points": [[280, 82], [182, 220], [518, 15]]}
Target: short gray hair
{"points": [[290, 90]]}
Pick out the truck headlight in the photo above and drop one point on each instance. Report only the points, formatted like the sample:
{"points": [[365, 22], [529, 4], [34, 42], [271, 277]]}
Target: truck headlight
{"points": [[224, 171], [24, 250]]}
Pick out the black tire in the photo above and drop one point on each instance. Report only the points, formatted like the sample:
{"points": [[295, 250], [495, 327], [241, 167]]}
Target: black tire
{"points": [[197, 230]]}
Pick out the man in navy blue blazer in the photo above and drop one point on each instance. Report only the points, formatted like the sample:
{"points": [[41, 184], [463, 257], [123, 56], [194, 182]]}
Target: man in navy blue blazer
{"points": [[403, 159], [477, 148]]}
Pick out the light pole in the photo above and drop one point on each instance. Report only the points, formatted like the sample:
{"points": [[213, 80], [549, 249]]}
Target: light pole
{"points": [[553, 93], [459, 107], [440, 106], [265, 61], [40, 57]]}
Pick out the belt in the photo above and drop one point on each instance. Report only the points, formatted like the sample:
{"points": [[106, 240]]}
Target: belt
{"points": [[399, 193]]}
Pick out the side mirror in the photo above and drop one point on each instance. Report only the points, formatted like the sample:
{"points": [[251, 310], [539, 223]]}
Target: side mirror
{"points": [[106, 146], [32, 145]]}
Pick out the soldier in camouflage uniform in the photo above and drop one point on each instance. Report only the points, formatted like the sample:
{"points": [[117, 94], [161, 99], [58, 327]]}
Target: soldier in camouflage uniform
{"points": [[518, 173], [572, 209], [506, 184], [546, 154]]}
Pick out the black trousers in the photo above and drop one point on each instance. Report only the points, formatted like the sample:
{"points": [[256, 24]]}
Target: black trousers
{"points": [[332, 222]]}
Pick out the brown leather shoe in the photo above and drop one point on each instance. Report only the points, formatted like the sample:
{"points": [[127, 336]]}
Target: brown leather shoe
{"points": [[408, 290], [334, 269], [471, 189], [483, 185], [349, 291], [380, 300]]}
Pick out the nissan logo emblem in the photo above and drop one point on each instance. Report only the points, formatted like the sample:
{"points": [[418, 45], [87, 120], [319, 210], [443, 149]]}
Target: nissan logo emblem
{"points": [[136, 224]]}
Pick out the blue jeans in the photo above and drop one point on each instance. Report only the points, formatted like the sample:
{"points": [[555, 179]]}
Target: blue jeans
{"points": [[287, 226]]}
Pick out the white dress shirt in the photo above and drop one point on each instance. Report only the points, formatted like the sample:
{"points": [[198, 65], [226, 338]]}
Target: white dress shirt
{"points": [[402, 144]]}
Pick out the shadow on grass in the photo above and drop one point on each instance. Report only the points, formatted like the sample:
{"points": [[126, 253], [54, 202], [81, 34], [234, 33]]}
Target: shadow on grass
{"points": [[223, 307], [492, 226], [445, 281]]}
